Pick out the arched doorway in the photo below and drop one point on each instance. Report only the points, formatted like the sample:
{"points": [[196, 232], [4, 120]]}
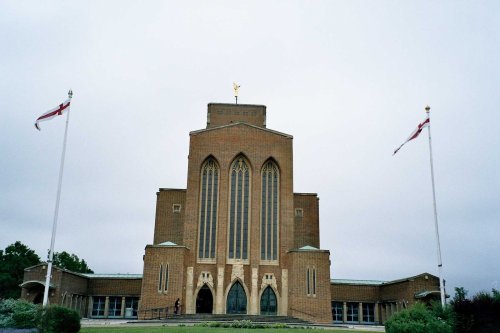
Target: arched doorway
{"points": [[268, 303], [236, 300], [204, 300]]}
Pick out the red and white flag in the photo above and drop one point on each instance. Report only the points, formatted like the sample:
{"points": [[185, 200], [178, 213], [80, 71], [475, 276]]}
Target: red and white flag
{"points": [[415, 133], [57, 111]]}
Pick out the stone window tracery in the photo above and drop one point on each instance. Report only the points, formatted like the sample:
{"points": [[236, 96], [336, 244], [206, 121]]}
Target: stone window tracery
{"points": [[269, 212], [239, 209], [209, 194]]}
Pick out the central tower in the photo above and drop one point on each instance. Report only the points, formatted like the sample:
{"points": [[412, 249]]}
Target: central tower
{"points": [[233, 239]]}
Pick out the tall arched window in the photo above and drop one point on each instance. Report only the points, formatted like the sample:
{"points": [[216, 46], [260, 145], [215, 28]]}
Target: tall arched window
{"points": [[209, 193], [239, 209], [269, 212]]}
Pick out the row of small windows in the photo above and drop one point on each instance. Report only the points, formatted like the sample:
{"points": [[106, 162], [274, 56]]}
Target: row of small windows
{"points": [[163, 276], [114, 306], [352, 312], [239, 210]]}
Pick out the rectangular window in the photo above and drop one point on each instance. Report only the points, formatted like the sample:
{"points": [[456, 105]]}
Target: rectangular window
{"points": [[337, 312], [368, 312], [115, 307], [131, 305], [352, 312], [98, 306], [176, 208], [299, 212]]}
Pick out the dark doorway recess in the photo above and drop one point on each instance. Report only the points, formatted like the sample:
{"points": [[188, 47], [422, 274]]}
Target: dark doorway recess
{"points": [[237, 300], [204, 300], [268, 303]]}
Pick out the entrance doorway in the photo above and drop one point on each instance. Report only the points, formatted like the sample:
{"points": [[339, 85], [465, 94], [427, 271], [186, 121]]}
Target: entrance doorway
{"points": [[236, 300], [38, 298], [204, 300], [268, 304]]}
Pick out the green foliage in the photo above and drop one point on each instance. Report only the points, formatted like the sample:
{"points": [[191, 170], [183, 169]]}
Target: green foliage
{"points": [[247, 324], [417, 319], [18, 314], [13, 261], [481, 314], [71, 262], [58, 319]]}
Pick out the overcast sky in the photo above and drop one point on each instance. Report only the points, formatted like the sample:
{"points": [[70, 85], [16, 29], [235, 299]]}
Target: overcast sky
{"points": [[348, 79]]}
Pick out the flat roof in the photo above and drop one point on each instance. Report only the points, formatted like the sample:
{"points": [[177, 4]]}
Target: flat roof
{"points": [[112, 276], [357, 282]]}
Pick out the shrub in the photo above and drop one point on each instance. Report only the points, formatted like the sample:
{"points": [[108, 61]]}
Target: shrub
{"points": [[18, 314], [479, 315], [418, 319], [58, 319]]}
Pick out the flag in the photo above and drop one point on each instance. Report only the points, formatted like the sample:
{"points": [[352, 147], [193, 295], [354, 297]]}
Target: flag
{"points": [[57, 111], [415, 133]]}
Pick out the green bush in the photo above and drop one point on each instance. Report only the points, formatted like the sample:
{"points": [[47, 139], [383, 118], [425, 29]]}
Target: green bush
{"points": [[418, 319], [58, 319], [18, 314]]}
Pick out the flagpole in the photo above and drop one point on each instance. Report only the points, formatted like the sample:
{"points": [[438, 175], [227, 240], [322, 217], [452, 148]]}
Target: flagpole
{"points": [[56, 210], [440, 261]]}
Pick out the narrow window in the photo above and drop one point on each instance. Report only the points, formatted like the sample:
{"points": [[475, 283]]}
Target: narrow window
{"points": [[269, 212], [160, 278], [176, 208], [314, 281], [308, 282], [209, 192], [239, 209], [165, 286], [299, 212]]}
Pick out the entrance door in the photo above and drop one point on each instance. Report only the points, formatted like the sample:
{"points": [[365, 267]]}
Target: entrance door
{"points": [[204, 300], [268, 304], [236, 300]]}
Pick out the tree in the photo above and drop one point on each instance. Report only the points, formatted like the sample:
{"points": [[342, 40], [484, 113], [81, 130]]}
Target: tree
{"points": [[13, 261], [481, 314], [71, 262]]}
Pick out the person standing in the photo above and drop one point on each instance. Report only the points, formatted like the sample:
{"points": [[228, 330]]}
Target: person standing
{"points": [[177, 306]]}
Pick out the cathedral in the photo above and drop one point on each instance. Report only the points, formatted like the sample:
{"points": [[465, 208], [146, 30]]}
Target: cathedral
{"points": [[236, 240]]}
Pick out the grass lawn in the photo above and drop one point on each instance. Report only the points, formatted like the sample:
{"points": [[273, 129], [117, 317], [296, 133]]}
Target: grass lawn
{"points": [[198, 329]]}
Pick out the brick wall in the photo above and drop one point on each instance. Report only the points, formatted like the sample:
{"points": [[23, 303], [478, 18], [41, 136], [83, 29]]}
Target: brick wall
{"points": [[306, 226], [317, 307], [224, 144], [355, 293], [169, 225], [151, 297], [225, 114], [115, 286], [407, 288]]}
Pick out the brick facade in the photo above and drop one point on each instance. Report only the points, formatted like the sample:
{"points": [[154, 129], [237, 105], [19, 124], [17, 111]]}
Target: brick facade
{"points": [[283, 271]]}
